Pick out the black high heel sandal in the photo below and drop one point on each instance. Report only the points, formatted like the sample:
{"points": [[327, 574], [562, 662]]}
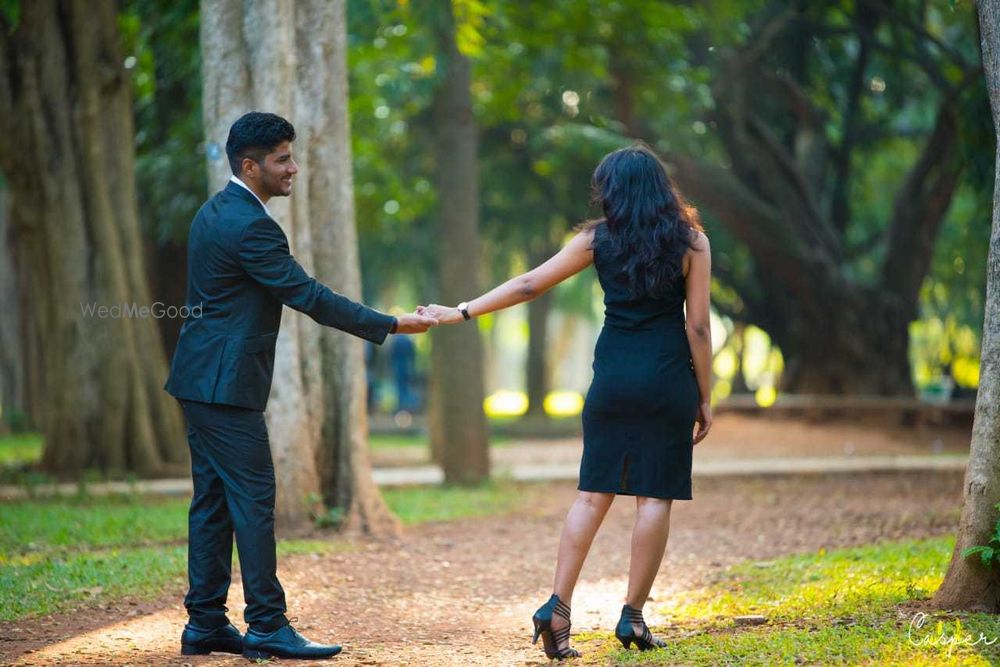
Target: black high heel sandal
{"points": [[551, 639], [626, 632]]}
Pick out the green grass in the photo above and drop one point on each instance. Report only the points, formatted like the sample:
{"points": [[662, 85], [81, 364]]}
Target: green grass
{"points": [[838, 607], [91, 523], [63, 553], [392, 440], [20, 449], [416, 504], [26, 448]]}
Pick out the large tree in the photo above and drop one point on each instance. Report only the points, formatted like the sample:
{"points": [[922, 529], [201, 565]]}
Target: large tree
{"points": [[828, 139], [290, 58], [970, 583], [788, 190], [457, 354], [65, 110]]}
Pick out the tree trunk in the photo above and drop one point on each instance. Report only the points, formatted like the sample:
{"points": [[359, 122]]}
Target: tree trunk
{"points": [[168, 264], [66, 98], [969, 584], [288, 58], [856, 344], [457, 355], [11, 352], [14, 400], [345, 468], [537, 370]]}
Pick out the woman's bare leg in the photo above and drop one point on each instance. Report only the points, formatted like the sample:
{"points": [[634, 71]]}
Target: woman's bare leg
{"points": [[582, 521], [649, 541]]}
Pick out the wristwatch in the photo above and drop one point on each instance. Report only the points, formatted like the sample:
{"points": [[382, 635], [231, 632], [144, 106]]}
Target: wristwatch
{"points": [[464, 309]]}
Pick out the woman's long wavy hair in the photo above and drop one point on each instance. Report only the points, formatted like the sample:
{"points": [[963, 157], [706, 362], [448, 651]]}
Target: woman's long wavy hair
{"points": [[650, 225]]}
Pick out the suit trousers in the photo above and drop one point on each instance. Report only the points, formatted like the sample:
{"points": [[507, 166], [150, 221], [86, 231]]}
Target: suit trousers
{"points": [[234, 492]]}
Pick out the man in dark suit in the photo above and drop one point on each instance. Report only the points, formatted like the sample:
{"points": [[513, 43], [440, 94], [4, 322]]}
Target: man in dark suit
{"points": [[240, 273]]}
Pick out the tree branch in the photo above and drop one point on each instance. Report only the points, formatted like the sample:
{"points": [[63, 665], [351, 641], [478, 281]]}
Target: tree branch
{"points": [[754, 309], [810, 144], [920, 206], [753, 221], [794, 196], [866, 22]]}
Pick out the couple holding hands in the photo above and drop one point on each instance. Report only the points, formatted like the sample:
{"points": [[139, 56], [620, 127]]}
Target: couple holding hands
{"points": [[650, 390]]}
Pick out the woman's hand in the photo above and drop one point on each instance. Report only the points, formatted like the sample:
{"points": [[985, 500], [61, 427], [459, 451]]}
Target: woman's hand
{"points": [[443, 314], [704, 421]]}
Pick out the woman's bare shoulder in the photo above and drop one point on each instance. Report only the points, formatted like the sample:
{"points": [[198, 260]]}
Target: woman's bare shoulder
{"points": [[699, 241]]}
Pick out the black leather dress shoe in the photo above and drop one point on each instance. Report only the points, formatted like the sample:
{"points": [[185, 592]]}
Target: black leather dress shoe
{"points": [[202, 641], [284, 642]]}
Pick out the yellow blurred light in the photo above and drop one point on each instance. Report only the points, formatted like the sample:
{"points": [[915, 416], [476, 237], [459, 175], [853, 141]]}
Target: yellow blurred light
{"points": [[720, 390], [563, 403], [966, 372], [505, 403], [775, 362], [766, 396], [756, 354], [724, 364]]}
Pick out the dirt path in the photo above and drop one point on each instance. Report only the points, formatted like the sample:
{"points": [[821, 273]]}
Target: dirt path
{"points": [[462, 593], [736, 436]]}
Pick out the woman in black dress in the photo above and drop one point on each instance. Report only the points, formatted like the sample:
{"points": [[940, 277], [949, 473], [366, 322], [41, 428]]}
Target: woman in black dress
{"points": [[652, 369]]}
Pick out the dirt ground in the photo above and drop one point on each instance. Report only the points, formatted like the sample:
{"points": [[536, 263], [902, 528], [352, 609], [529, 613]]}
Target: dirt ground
{"points": [[462, 592], [737, 435]]}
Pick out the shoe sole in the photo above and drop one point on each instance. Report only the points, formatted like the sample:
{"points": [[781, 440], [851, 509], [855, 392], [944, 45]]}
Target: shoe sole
{"points": [[189, 649], [258, 654]]}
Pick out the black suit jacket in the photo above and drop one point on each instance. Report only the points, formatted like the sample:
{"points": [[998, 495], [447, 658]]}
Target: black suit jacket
{"points": [[240, 273]]}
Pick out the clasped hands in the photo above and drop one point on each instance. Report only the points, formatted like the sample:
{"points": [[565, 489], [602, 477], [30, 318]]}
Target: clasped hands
{"points": [[426, 317], [443, 314]]}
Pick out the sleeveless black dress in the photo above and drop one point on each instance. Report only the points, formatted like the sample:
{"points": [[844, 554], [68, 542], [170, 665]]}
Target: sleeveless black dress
{"points": [[639, 414]]}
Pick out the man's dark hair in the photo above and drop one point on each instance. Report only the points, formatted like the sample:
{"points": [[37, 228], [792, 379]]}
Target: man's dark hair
{"points": [[254, 135]]}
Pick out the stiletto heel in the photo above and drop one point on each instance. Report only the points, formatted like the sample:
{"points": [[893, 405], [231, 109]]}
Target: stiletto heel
{"points": [[625, 632], [551, 639]]}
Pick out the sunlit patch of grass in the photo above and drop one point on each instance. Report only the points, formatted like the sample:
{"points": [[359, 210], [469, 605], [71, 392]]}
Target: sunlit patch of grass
{"points": [[837, 583], [838, 607], [379, 441], [393, 440], [419, 504], [20, 449]]}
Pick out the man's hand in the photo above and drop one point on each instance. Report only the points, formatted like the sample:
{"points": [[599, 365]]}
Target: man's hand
{"points": [[411, 323], [442, 314]]}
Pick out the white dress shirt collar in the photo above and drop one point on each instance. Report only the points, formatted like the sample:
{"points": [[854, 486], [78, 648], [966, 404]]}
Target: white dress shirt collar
{"points": [[235, 179]]}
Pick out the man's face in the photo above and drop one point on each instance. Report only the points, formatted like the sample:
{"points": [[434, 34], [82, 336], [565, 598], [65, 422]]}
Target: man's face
{"points": [[274, 174]]}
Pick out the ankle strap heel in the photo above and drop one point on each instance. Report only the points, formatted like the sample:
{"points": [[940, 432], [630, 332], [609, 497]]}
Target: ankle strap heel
{"points": [[555, 642], [625, 631]]}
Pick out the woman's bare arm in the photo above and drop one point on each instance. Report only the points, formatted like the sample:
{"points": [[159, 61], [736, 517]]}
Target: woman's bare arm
{"points": [[699, 329], [574, 257]]}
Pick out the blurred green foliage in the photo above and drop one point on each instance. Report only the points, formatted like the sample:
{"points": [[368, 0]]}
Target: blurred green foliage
{"points": [[161, 46], [548, 86]]}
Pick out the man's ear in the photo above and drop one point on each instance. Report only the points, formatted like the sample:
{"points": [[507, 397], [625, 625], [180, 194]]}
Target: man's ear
{"points": [[249, 167]]}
